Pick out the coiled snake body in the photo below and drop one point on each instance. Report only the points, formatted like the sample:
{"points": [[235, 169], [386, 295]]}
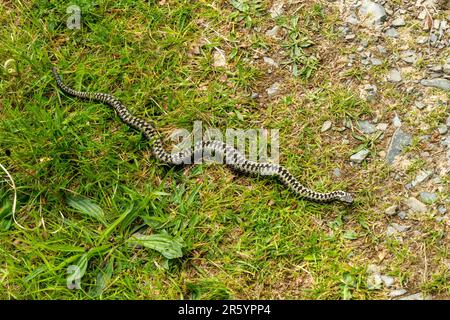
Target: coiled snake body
{"points": [[235, 159]]}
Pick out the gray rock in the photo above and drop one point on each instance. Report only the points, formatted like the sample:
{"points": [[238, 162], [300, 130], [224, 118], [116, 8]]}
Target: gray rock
{"points": [[359, 156], [421, 177], [366, 127], [394, 76], [326, 126], [273, 89], [388, 281], [416, 296], [446, 68], [373, 12], [273, 33], [337, 172], [396, 121], [374, 281], [381, 49], [382, 126], [440, 83], [376, 62], [409, 56], [428, 197], [419, 105], [352, 19], [398, 142], [415, 205], [371, 92], [391, 210], [397, 293], [442, 129], [442, 209], [391, 32], [435, 68], [402, 215], [398, 22]]}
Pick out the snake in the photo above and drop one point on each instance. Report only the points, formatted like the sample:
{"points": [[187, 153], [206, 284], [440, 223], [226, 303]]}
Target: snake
{"points": [[235, 159]]}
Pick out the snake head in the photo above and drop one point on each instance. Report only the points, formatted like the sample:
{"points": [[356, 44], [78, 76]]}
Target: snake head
{"points": [[344, 196]]}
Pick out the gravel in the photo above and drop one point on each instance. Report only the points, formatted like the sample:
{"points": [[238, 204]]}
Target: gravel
{"points": [[440, 83], [372, 12], [415, 205], [326, 126], [398, 142], [394, 76], [428, 197], [359, 156], [366, 127]]}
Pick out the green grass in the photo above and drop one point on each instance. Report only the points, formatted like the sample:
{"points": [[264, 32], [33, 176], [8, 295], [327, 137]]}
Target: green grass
{"points": [[241, 237]]}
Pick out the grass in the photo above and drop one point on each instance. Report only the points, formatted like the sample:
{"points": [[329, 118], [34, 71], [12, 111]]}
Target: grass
{"points": [[231, 236]]}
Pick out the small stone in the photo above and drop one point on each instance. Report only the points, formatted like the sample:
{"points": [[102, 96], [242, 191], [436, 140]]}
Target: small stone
{"points": [[273, 89], [435, 68], [421, 177], [391, 210], [402, 215], [440, 83], [422, 40], [359, 156], [448, 121], [273, 33], [270, 62], [394, 76], [337, 172], [374, 281], [326, 126], [219, 58], [396, 121], [352, 19], [419, 105], [415, 205], [382, 126], [446, 68], [388, 281], [398, 22], [442, 209], [381, 49], [350, 36], [376, 62], [442, 129], [366, 127], [416, 296], [391, 32], [409, 56], [370, 92], [428, 197], [397, 292], [398, 142], [277, 9], [372, 12]]}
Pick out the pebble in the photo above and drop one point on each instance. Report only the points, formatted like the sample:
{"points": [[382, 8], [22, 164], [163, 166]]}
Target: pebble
{"points": [[366, 127], [273, 33], [371, 92], [415, 205], [442, 209], [273, 89], [391, 32], [428, 197], [381, 49], [374, 281], [337, 172], [398, 22], [402, 215], [440, 83], [419, 105], [270, 62], [326, 126], [394, 76], [219, 58], [396, 121], [376, 62], [373, 12], [382, 126], [448, 121], [421, 177], [397, 292], [409, 56], [359, 156], [416, 296], [442, 129], [277, 9], [446, 68], [388, 281], [391, 210], [398, 142]]}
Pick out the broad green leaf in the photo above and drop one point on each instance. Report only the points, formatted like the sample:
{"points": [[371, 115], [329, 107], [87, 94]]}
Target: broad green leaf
{"points": [[87, 207], [165, 244]]}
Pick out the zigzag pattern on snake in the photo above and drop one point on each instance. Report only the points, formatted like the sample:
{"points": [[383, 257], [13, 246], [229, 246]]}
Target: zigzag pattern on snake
{"points": [[235, 159]]}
